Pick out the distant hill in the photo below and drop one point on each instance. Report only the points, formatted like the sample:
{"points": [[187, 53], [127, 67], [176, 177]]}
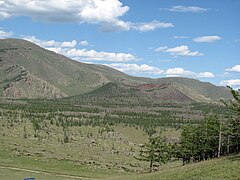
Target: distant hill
{"points": [[197, 90], [141, 94], [27, 70]]}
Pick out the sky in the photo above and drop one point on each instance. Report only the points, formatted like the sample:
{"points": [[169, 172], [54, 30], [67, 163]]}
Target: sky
{"points": [[150, 38]]}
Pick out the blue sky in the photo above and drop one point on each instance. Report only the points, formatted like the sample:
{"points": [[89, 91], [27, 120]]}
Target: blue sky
{"points": [[151, 38]]}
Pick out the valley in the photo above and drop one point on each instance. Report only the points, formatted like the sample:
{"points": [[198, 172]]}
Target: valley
{"points": [[119, 90], [63, 119], [96, 141]]}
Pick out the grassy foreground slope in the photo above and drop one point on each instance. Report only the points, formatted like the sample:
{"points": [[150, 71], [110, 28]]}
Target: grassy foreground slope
{"points": [[223, 168]]}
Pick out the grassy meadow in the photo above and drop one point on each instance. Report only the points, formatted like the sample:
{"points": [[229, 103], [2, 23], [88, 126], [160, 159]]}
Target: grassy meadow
{"points": [[65, 140]]}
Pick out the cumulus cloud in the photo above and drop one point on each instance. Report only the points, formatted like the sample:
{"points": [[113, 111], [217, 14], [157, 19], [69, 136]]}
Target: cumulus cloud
{"points": [[182, 50], [176, 72], [107, 13], [231, 82], [206, 75], [68, 48], [136, 69], [5, 34], [83, 54], [207, 39], [84, 43], [193, 9], [65, 10], [51, 43], [234, 68], [146, 69]]}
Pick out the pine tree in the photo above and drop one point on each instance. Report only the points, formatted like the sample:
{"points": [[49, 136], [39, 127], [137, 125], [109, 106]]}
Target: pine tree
{"points": [[154, 152], [200, 142], [234, 124], [185, 150]]}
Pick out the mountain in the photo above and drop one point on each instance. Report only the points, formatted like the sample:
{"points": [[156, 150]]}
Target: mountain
{"points": [[27, 70]]}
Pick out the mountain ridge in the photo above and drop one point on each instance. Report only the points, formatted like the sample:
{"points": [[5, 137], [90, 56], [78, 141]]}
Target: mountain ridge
{"points": [[29, 71]]}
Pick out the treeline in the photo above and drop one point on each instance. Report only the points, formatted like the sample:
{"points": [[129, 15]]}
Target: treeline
{"points": [[210, 139]]}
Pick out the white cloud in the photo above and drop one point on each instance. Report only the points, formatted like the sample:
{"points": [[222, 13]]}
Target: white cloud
{"points": [[68, 48], [99, 10], [118, 25], [107, 13], [5, 34], [144, 27], [161, 49], [146, 69], [65, 10], [51, 43], [207, 39], [180, 37], [84, 43], [4, 15], [231, 82], [178, 72], [182, 50], [83, 54], [206, 75], [175, 72], [136, 69], [193, 9], [234, 68]]}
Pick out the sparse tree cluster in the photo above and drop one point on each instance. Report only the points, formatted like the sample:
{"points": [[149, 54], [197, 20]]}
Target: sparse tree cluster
{"points": [[213, 137]]}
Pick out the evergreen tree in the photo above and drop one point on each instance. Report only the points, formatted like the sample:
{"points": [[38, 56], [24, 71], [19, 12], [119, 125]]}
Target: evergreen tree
{"points": [[234, 124], [154, 152], [200, 142], [185, 150]]}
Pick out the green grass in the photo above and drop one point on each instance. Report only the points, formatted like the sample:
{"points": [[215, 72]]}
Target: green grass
{"points": [[90, 153], [9, 174], [48, 168], [223, 168], [136, 136]]}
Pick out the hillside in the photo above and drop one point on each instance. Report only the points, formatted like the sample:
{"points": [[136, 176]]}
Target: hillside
{"points": [[27, 70], [197, 90], [223, 168], [116, 93]]}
